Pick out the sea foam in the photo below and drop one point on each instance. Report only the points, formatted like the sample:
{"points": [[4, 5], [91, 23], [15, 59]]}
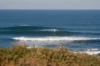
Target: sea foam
{"points": [[54, 38], [93, 51]]}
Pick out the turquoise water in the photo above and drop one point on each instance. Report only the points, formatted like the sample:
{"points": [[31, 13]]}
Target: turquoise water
{"points": [[76, 29]]}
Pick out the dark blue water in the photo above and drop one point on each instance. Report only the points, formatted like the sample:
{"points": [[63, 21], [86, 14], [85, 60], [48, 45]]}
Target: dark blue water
{"points": [[76, 29]]}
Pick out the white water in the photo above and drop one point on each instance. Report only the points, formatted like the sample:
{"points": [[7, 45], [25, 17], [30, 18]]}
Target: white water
{"points": [[54, 38], [93, 51]]}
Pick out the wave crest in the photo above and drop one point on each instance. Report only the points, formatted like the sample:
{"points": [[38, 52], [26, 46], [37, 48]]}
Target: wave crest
{"points": [[27, 29], [54, 38]]}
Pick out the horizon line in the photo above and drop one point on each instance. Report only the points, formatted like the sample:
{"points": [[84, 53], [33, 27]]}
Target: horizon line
{"points": [[49, 9]]}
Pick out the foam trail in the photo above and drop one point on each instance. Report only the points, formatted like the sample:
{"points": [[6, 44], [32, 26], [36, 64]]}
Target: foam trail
{"points": [[54, 38]]}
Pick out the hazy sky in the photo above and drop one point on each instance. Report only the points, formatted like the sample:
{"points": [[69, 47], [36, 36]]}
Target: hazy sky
{"points": [[49, 4]]}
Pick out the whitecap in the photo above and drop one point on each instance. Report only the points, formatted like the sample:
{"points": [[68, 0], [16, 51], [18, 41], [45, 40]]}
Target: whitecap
{"points": [[54, 38]]}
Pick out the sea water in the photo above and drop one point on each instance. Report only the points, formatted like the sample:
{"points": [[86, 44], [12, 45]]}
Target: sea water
{"points": [[75, 29]]}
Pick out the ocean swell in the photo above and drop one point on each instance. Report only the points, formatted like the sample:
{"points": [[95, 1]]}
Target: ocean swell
{"points": [[49, 31]]}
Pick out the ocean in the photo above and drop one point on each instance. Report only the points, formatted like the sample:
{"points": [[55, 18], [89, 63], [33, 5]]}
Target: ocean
{"points": [[75, 29]]}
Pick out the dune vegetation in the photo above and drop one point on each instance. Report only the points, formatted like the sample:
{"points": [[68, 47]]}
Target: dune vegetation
{"points": [[22, 56]]}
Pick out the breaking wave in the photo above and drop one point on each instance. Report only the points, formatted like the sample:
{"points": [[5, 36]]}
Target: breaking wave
{"points": [[49, 31], [54, 38]]}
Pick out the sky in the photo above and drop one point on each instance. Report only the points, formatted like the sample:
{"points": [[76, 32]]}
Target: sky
{"points": [[50, 4]]}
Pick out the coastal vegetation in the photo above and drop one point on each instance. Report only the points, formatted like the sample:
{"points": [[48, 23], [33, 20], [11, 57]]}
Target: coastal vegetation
{"points": [[60, 56]]}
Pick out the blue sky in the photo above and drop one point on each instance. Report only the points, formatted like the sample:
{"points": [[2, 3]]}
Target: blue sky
{"points": [[50, 4]]}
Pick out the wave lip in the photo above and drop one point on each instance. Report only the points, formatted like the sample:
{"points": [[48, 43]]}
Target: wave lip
{"points": [[27, 27], [52, 30], [54, 38]]}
